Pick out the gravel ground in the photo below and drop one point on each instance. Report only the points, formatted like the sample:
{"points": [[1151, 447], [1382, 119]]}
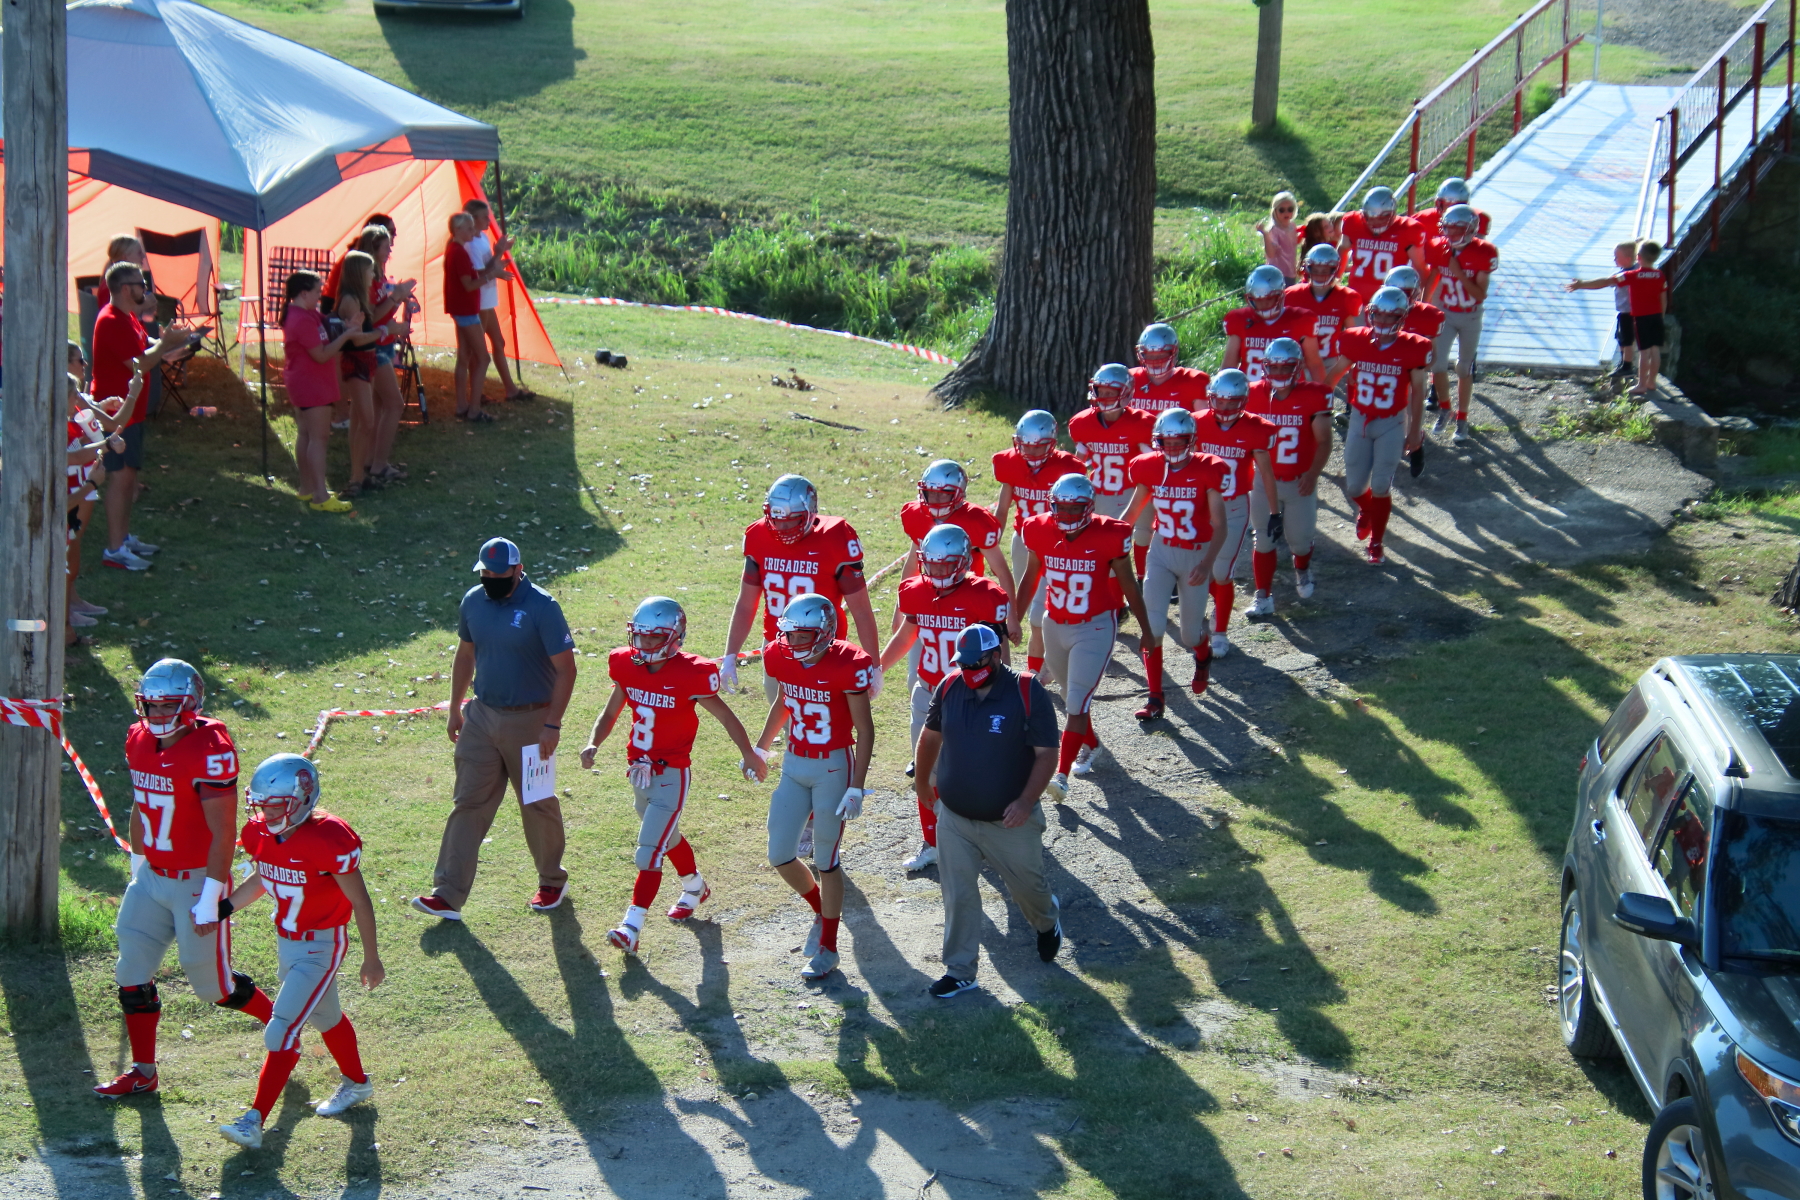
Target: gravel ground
{"points": [[1685, 32]]}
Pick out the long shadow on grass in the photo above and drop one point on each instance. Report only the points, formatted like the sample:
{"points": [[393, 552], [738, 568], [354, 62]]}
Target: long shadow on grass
{"points": [[518, 58]]}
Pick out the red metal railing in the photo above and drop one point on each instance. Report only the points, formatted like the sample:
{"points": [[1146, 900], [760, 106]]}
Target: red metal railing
{"points": [[1745, 68], [1495, 78]]}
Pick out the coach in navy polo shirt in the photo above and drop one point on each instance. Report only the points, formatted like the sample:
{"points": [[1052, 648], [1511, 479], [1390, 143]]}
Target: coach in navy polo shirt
{"points": [[992, 737], [517, 650]]}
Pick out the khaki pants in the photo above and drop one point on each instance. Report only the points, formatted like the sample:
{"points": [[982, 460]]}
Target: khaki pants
{"points": [[1017, 854], [487, 757]]}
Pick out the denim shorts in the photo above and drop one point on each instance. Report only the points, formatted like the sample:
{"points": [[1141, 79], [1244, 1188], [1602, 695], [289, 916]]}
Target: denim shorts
{"points": [[467, 319], [384, 353]]}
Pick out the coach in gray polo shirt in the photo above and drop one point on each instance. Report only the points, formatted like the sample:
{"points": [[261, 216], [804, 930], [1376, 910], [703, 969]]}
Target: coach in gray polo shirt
{"points": [[518, 649], [992, 737]]}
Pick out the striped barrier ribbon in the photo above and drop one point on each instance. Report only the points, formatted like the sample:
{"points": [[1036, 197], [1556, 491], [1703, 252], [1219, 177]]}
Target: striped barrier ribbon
{"points": [[327, 716], [915, 351], [47, 715]]}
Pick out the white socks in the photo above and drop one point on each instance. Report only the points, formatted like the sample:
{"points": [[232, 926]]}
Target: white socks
{"points": [[634, 917]]}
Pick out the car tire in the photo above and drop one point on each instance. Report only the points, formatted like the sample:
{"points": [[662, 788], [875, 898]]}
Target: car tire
{"points": [[1677, 1157], [1584, 1030]]}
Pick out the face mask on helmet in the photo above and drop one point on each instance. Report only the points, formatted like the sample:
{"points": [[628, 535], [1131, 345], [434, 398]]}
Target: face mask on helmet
{"points": [[1387, 312], [1109, 398], [1378, 210], [807, 644], [1158, 352], [651, 645], [944, 573], [1281, 362], [163, 717], [1459, 235], [939, 501], [1072, 516], [1175, 447], [1321, 268], [789, 526], [1269, 307], [1265, 290], [1226, 407]]}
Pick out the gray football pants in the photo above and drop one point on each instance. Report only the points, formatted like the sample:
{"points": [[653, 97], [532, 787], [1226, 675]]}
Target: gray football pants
{"points": [[1166, 573], [1372, 453], [809, 787], [156, 913], [1299, 515], [309, 991]]}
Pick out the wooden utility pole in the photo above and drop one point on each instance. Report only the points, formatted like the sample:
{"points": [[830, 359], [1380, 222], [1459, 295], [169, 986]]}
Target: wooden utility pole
{"points": [[32, 488], [1265, 101]]}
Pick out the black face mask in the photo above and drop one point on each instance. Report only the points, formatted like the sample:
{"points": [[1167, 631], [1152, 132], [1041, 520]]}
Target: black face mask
{"points": [[498, 587]]}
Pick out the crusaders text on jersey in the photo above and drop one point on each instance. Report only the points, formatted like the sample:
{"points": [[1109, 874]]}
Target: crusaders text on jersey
{"points": [[1031, 489], [818, 713], [1380, 377], [1109, 449], [1255, 334], [663, 720], [298, 870], [1370, 256], [1184, 388], [1338, 309], [1079, 583], [1178, 495], [943, 614], [828, 561], [165, 801], [1292, 415], [1236, 446]]}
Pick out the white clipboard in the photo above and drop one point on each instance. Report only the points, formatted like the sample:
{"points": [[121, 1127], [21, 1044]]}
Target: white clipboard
{"points": [[538, 775]]}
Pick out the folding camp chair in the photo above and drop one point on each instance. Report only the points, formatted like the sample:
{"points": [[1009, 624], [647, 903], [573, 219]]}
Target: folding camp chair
{"points": [[265, 310]]}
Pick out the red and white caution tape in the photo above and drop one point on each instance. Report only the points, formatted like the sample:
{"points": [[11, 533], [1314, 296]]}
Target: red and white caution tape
{"points": [[327, 716], [915, 351], [47, 715]]}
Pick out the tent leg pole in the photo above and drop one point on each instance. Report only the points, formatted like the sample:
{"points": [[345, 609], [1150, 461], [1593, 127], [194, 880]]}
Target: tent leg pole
{"points": [[512, 302], [262, 339]]}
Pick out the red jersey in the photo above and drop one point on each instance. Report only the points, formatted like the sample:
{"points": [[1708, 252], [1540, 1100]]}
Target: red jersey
{"points": [[1649, 289], [943, 614], [1430, 222], [1254, 334], [663, 720], [1079, 583], [1184, 388], [1237, 446], [164, 797], [1292, 416], [1380, 377], [1109, 449], [981, 525], [827, 561], [1476, 257], [1339, 308], [1031, 489], [1369, 256], [818, 713], [1183, 516], [1424, 319], [299, 870]]}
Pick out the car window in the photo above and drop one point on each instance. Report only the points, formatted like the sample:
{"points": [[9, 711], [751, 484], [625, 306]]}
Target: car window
{"points": [[1624, 721], [1652, 786], [1681, 852]]}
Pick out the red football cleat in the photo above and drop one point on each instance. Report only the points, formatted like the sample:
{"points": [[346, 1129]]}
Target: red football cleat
{"points": [[1377, 555], [548, 898], [1202, 673], [1153, 708], [687, 902], [131, 1083]]}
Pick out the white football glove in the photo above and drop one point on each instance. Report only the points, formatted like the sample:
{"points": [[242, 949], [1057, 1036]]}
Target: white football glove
{"points": [[206, 908], [728, 673], [137, 860], [850, 807], [875, 682], [760, 753], [639, 774]]}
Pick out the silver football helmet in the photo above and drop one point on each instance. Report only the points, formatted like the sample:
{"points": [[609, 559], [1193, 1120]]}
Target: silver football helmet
{"points": [[657, 627], [943, 486], [1174, 434], [1266, 290], [1452, 191], [170, 679], [791, 505], [1109, 388], [808, 625], [1404, 278], [1387, 310], [1228, 392], [1034, 437], [945, 556], [1158, 350], [1281, 361], [1072, 502], [1379, 209], [1458, 225], [1322, 261], [283, 792]]}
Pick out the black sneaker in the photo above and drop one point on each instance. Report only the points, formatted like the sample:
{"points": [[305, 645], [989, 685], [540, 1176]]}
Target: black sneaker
{"points": [[1050, 941], [909, 769], [950, 986]]}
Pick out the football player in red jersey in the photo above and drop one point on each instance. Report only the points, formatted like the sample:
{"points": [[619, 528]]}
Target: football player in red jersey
{"points": [[1183, 490], [1386, 367], [1025, 474], [1462, 265], [1249, 330], [661, 685], [1108, 434], [184, 773], [1452, 192], [1334, 306], [311, 862], [793, 551], [1300, 410], [1082, 560], [1227, 432], [826, 685], [934, 606], [1423, 319], [1376, 240], [1158, 385]]}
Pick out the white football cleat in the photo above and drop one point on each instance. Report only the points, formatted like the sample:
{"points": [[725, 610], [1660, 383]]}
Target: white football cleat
{"points": [[1262, 606], [688, 901], [1221, 645], [348, 1095], [1086, 759], [1058, 788], [1303, 584], [625, 937], [927, 856], [246, 1131], [1461, 436], [820, 965], [1442, 422], [811, 948]]}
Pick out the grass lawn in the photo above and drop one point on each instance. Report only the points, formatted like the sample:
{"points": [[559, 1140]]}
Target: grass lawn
{"points": [[1385, 884], [892, 115]]}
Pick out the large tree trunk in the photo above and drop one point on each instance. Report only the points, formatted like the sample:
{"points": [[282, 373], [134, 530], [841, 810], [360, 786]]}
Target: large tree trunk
{"points": [[1787, 596], [1076, 273]]}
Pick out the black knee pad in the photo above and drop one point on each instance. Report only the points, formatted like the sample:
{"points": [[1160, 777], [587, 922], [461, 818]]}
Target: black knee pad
{"points": [[141, 998], [244, 988]]}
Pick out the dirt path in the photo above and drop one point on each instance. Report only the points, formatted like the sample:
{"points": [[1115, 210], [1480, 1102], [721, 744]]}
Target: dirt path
{"points": [[1159, 800]]}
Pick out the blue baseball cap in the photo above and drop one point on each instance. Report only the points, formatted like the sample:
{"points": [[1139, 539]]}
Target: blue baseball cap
{"points": [[975, 643], [498, 556]]}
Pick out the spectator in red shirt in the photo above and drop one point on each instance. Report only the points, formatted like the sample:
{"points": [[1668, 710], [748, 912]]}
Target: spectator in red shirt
{"points": [[462, 302], [482, 251], [119, 342], [1648, 288], [311, 374]]}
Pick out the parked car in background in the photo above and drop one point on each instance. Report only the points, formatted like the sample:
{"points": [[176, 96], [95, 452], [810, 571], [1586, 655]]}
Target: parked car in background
{"points": [[514, 9], [1681, 920]]}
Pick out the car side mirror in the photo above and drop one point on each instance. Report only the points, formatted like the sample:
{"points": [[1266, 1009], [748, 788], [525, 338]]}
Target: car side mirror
{"points": [[1654, 917]]}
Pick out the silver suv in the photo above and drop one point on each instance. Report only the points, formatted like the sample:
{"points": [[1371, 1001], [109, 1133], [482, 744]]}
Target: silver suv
{"points": [[1681, 920]]}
